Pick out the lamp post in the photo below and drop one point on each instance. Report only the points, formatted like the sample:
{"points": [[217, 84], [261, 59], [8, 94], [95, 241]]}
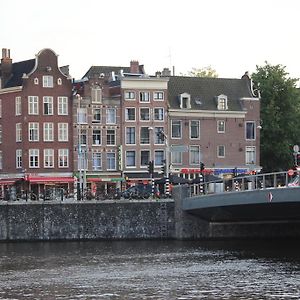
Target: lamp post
{"points": [[164, 137]]}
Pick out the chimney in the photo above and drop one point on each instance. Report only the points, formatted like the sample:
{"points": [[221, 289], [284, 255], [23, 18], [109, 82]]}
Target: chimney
{"points": [[166, 72], [134, 67], [5, 67]]}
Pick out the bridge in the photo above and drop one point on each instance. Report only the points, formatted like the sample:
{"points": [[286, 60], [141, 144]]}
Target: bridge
{"points": [[254, 205]]}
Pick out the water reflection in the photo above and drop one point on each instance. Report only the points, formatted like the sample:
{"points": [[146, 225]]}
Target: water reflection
{"points": [[150, 270]]}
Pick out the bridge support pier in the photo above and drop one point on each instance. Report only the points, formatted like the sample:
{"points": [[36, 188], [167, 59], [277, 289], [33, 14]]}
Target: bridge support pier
{"points": [[187, 226]]}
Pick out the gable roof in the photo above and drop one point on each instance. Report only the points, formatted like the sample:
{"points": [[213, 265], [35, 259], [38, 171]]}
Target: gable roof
{"points": [[18, 69], [204, 91]]}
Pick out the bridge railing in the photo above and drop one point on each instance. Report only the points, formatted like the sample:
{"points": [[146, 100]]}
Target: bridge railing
{"points": [[243, 182]]}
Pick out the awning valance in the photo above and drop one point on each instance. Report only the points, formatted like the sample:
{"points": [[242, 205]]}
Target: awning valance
{"points": [[41, 179]]}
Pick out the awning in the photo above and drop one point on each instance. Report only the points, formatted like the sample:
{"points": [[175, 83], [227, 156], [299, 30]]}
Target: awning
{"points": [[7, 181], [99, 179], [42, 179]]}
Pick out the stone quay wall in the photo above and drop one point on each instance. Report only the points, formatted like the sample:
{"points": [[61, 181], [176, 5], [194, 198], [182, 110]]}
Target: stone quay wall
{"points": [[87, 220]]}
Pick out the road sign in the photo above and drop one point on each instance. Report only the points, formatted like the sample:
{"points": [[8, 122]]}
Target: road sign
{"points": [[179, 148]]}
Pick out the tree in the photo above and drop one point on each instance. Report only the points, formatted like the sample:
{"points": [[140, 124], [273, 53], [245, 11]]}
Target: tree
{"points": [[203, 72], [280, 116]]}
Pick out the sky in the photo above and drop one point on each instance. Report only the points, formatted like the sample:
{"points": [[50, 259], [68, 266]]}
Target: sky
{"points": [[232, 36]]}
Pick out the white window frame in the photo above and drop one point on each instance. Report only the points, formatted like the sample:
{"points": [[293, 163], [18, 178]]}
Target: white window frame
{"points": [[111, 139], [145, 108], [96, 157], [48, 158], [221, 126], [146, 162], [127, 119], [250, 155], [176, 158], [111, 115], [190, 129], [19, 159], [48, 105], [18, 106], [113, 159], [127, 159], [222, 102], [144, 97], [48, 132], [33, 132], [158, 96], [33, 105], [18, 132], [98, 135], [63, 158], [62, 106], [96, 94], [48, 81], [96, 112], [63, 132], [252, 136], [180, 129], [34, 158], [192, 155], [160, 112], [132, 130], [130, 95]]}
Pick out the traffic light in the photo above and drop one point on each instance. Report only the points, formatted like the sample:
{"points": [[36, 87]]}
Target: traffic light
{"points": [[202, 166], [151, 167], [163, 169]]}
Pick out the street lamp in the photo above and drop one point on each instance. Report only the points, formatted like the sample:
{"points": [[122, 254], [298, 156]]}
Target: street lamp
{"points": [[164, 137]]}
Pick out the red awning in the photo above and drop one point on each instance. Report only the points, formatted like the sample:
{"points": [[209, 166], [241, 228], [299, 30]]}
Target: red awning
{"points": [[41, 179], [7, 181]]}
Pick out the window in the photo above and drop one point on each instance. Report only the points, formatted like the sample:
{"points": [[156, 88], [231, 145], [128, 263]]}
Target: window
{"points": [[18, 105], [185, 100], [63, 132], [194, 129], [48, 158], [18, 132], [48, 81], [194, 155], [158, 95], [250, 155], [130, 158], [144, 114], [221, 151], [111, 161], [158, 136], [82, 158], [33, 132], [221, 126], [63, 158], [176, 129], [129, 95], [111, 137], [130, 114], [59, 81], [96, 115], [96, 161], [176, 157], [36, 81], [83, 136], [62, 105], [144, 97], [48, 132], [33, 105], [250, 130], [96, 136], [1, 134], [111, 116], [18, 158], [81, 115], [158, 114], [158, 157], [1, 160], [96, 94], [48, 105], [145, 157], [130, 135], [144, 135], [222, 102], [33, 158]]}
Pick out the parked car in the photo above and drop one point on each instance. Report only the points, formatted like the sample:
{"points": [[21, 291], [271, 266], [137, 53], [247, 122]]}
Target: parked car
{"points": [[140, 191]]}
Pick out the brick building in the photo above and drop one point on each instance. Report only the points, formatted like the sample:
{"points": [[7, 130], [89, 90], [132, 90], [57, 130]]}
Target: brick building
{"points": [[36, 138]]}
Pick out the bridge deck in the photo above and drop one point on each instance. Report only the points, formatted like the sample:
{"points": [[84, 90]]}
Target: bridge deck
{"points": [[251, 205]]}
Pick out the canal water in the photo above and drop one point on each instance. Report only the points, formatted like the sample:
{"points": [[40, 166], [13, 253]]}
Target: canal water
{"points": [[150, 270]]}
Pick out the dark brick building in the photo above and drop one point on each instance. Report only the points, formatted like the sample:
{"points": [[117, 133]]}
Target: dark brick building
{"points": [[36, 113]]}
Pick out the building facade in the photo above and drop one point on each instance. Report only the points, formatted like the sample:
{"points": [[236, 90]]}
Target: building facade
{"points": [[36, 136]]}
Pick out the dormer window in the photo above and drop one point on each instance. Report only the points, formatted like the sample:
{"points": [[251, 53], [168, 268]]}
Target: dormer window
{"points": [[222, 102], [185, 101]]}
